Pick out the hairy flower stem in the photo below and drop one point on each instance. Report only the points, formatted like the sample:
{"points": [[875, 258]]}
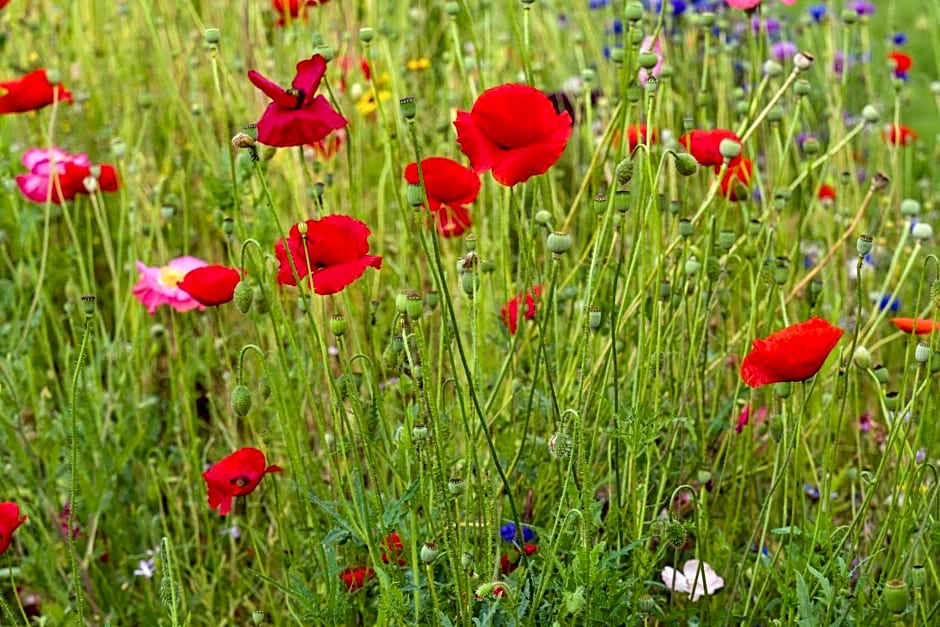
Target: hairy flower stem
{"points": [[73, 471], [451, 319]]}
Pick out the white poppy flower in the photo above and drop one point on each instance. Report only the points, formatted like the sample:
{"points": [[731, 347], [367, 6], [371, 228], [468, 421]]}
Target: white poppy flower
{"points": [[696, 579]]}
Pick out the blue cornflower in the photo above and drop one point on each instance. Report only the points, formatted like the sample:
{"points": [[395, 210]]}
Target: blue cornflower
{"points": [[890, 303], [509, 534], [817, 12], [899, 39], [811, 491], [616, 28], [598, 4]]}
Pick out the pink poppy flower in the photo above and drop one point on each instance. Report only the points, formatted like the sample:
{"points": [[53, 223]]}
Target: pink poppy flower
{"points": [[75, 175], [747, 5], [160, 285]]}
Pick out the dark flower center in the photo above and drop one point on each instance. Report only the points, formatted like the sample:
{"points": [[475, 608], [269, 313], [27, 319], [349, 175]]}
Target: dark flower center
{"points": [[298, 94], [240, 481]]}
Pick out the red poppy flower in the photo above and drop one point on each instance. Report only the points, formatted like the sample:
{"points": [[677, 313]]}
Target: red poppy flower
{"points": [[703, 145], [355, 577], [450, 186], [737, 177], [236, 475], [792, 354], [508, 564], [292, 8], [636, 135], [510, 311], [73, 175], [33, 91], [334, 246], [827, 194], [920, 326], [211, 285], [900, 135], [393, 549], [513, 130], [9, 521], [297, 116], [902, 63]]}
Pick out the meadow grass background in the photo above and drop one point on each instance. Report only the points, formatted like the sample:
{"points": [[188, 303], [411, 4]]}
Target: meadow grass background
{"points": [[651, 471]]}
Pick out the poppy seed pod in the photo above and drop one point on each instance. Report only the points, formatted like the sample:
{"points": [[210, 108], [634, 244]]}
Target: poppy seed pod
{"points": [[408, 108], [922, 231], [456, 486], [414, 305], [559, 242], [864, 244], [686, 165], [88, 305], [633, 12], [648, 60], [600, 203], [594, 319], [881, 373], [918, 576], [645, 604], [922, 353], [366, 34], [891, 400], [896, 596], [803, 61], [241, 400], [801, 87], [910, 207], [685, 227], [429, 552], [419, 433], [772, 68], [782, 389], [338, 325], [543, 217], [621, 201], [729, 149], [726, 239], [212, 36]]}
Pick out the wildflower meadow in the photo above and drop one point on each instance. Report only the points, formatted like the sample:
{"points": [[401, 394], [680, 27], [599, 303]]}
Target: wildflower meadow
{"points": [[469, 312]]}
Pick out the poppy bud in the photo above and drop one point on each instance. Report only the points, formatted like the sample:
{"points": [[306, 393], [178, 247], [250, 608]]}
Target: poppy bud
{"points": [[633, 12], [212, 36], [776, 428], [729, 149], [262, 306], [429, 552], [543, 217], [712, 268], [415, 195], [466, 560], [864, 244], [686, 164], [896, 596], [408, 108], [782, 389], [88, 305], [264, 386], [241, 400], [559, 243], [559, 445], [870, 114], [726, 239], [935, 293], [685, 227], [366, 34], [910, 207], [803, 61], [621, 201], [922, 352], [674, 533], [456, 486], [862, 358], [243, 295], [922, 231], [624, 171]]}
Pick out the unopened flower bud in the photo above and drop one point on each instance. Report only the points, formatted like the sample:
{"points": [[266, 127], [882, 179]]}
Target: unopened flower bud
{"points": [[264, 386], [429, 552], [260, 302], [241, 400], [686, 164], [782, 389], [559, 445], [803, 61], [470, 283], [922, 231], [624, 171], [864, 244], [776, 426], [935, 292], [862, 358], [559, 243], [243, 296], [729, 149], [896, 596]]}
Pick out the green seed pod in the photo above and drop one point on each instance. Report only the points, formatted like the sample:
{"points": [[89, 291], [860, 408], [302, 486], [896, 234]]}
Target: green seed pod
{"points": [[896, 596], [599, 203], [212, 36], [456, 486], [922, 353], [891, 401], [559, 243], [864, 244], [594, 319], [415, 195], [648, 60], [621, 201], [685, 227], [429, 552], [726, 239], [543, 217], [241, 400], [338, 325]]}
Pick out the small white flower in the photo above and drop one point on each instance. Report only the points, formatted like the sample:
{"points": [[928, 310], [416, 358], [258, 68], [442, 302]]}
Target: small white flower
{"points": [[696, 579]]}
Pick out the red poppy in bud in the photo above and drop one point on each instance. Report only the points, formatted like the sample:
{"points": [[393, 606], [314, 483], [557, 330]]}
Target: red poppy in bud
{"points": [[211, 285], [920, 326], [333, 254], [296, 116], [514, 131], [792, 354], [703, 145], [293, 8], [508, 564], [900, 135], [827, 194], [450, 186], [735, 178], [9, 521], [902, 63], [636, 135], [355, 577], [31, 92], [236, 475], [510, 311], [393, 549]]}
